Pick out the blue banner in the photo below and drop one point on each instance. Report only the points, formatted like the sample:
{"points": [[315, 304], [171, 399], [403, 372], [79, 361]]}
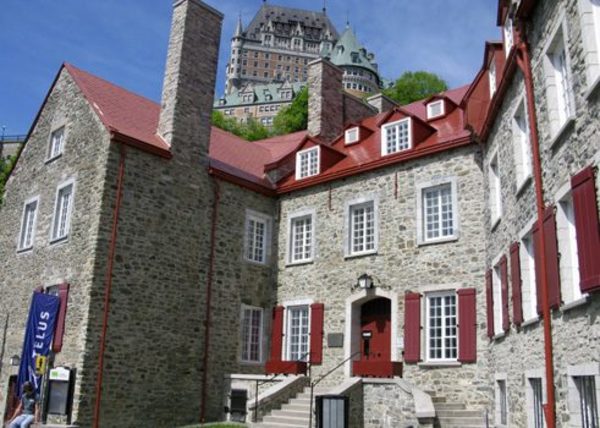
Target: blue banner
{"points": [[38, 337]]}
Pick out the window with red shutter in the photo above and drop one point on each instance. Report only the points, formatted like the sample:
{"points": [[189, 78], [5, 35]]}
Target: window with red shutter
{"points": [[588, 230], [515, 278], [316, 332], [504, 292], [63, 295], [467, 325], [412, 328], [537, 254], [489, 303], [551, 252], [277, 333]]}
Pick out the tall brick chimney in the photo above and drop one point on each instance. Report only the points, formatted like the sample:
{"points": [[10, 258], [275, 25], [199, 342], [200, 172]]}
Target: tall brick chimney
{"points": [[325, 99], [190, 74]]}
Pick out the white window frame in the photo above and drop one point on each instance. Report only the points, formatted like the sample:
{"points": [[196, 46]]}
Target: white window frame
{"points": [[521, 145], [311, 213], [589, 12], [495, 189], [559, 95], [308, 153], [428, 297], [267, 221], [372, 200], [492, 75], [243, 342], [421, 218], [501, 377], [528, 274], [566, 234], [290, 306], [352, 136], [51, 142], [497, 297], [384, 132], [430, 107], [57, 212], [591, 369], [24, 244], [530, 395]]}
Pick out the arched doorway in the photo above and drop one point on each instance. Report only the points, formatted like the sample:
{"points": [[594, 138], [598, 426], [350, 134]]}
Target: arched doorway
{"points": [[375, 330]]}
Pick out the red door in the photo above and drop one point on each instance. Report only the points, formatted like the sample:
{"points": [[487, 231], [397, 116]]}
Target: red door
{"points": [[375, 330]]}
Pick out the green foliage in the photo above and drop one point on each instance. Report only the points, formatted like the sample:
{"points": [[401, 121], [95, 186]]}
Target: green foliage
{"points": [[294, 117], [415, 86], [6, 166], [251, 130]]}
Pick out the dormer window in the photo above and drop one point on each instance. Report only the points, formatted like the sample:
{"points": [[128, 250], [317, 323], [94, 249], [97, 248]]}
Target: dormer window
{"points": [[396, 136], [435, 109], [352, 135], [307, 163]]}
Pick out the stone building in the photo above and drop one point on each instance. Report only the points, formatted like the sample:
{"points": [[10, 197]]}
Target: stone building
{"points": [[389, 254]]}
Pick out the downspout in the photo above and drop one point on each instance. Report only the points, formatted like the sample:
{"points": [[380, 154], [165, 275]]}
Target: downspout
{"points": [[209, 283], [525, 64], [108, 284]]}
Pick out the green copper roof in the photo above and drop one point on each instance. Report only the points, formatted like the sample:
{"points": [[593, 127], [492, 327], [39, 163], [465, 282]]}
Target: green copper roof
{"points": [[265, 93], [349, 52]]}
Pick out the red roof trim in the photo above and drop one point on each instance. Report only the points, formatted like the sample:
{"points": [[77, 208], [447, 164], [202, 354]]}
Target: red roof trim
{"points": [[141, 145], [401, 110], [240, 182]]}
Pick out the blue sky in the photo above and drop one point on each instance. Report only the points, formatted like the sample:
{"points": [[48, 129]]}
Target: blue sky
{"points": [[125, 41]]}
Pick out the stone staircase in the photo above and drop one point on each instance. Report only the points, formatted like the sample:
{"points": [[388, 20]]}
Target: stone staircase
{"points": [[293, 414], [455, 415]]}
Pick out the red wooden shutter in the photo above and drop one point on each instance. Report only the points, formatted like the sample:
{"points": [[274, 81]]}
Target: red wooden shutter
{"points": [[316, 332], [551, 251], [467, 326], [504, 292], [412, 327], [277, 333], [515, 278], [537, 253], [59, 330], [586, 225], [489, 297]]}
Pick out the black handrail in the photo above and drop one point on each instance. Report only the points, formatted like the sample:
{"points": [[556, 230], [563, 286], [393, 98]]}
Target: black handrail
{"points": [[259, 382], [316, 382]]}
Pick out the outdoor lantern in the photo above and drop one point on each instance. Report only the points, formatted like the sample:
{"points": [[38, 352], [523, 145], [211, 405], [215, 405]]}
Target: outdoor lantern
{"points": [[15, 360], [365, 281]]}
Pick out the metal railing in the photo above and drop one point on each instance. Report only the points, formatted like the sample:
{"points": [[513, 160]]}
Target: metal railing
{"points": [[316, 382], [272, 379]]}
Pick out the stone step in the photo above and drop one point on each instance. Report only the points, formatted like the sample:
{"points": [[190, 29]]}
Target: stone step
{"points": [[305, 401], [278, 425], [289, 420], [449, 406], [291, 413], [445, 413], [296, 407], [460, 421]]}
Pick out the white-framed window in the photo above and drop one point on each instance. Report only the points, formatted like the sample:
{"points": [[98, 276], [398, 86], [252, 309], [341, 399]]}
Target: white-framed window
{"points": [[396, 136], [63, 207], [435, 109], [528, 279], [307, 162], [521, 146], [495, 190], [352, 135], [557, 79], [589, 11], [535, 398], [497, 299], [501, 399], [257, 237], [297, 333], [252, 334], [28, 221], [362, 227], [437, 211], [508, 33], [567, 247], [584, 394], [442, 329], [57, 141], [492, 76], [301, 237]]}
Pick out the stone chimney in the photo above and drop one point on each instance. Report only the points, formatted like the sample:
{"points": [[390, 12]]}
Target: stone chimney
{"points": [[381, 102], [325, 99], [189, 83]]}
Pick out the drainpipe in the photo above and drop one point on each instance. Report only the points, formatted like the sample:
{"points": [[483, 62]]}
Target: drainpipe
{"points": [[209, 283], [524, 62], [108, 285]]}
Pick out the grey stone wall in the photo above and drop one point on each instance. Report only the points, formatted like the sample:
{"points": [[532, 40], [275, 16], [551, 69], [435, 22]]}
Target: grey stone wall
{"points": [[400, 265], [386, 405], [381, 102], [574, 331]]}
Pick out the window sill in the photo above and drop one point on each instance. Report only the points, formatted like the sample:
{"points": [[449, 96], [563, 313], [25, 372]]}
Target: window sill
{"points": [[591, 90], [523, 185], [439, 364], [255, 263], [495, 222], [452, 238], [530, 321], [356, 255], [575, 303], [60, 240], [52, 159], [500, 335], [299, 263], [25, 250], [560, 134]]}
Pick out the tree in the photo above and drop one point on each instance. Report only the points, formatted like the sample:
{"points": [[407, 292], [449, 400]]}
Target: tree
{"points": [[6, 166], [252, 130], [294, 117], [415, 86]]}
